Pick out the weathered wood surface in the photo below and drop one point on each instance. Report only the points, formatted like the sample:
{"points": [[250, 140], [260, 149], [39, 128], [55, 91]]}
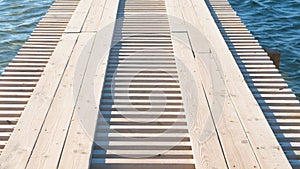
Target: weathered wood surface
{"points": [[257, 129], [136, 131], [20, 79], [78, 148], [276, 100], [78, 60], [229, 120]]}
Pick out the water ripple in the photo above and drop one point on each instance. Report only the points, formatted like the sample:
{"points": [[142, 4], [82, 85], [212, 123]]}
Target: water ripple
{"points": [[276, 24], [18, 19]]}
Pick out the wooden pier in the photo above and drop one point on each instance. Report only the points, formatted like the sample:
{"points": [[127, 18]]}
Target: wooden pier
{"points": [[145, 84]]}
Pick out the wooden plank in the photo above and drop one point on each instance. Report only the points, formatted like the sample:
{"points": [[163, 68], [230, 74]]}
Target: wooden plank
{"points": [[272, 106], [96, 15], [50, 142], [144, 161], [208, 154], [25, 70], [232, 136], [267, 150], [176, 21], [145, 166], [78, 146], [34, 114], [78, 18]]}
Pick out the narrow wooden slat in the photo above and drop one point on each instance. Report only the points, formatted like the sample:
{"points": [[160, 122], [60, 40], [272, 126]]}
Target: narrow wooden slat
{"points": [[21, 76], [79, 135], [58, 134], [244, 103], [79, 16], [31, 123], [273, 95]]}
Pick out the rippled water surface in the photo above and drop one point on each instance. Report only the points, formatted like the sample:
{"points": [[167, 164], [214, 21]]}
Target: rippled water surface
{"points": [[276, 24], [18, 19]]}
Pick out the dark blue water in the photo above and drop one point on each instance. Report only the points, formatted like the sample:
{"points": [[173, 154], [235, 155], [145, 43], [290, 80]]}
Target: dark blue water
{"points": [[276, 24], [18, 18]]}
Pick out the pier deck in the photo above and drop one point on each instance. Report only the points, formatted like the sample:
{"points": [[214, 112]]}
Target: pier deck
{"points": [[145, 84]]}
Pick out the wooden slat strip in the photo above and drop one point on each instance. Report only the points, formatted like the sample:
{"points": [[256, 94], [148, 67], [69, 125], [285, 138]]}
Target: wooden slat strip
{"points": [[60, 112], [268, 95], [244, 103], [30, 123], [79, 142], [21, 76]]}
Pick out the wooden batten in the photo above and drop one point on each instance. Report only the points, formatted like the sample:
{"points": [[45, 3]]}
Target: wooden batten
{"points": [[145, 84]]}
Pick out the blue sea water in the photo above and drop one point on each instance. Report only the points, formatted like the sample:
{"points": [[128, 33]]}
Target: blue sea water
{"points": [[18, 18], [276, 24]]}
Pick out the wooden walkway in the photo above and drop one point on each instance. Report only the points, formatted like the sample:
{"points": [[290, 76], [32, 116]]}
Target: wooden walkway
{"points": [[277, 101], [145, 84], [21, 76], [142, 122]]}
